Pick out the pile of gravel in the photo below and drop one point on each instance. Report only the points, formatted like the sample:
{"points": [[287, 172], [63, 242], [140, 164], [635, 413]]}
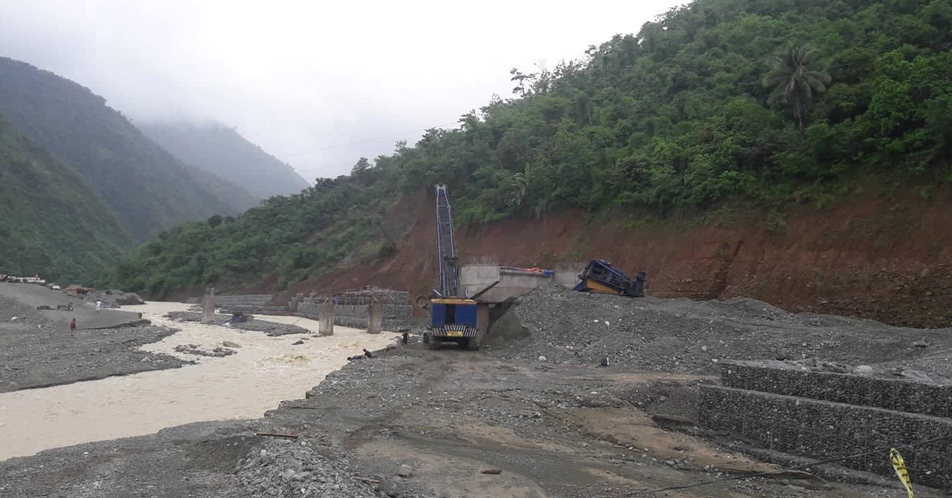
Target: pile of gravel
{"points": [[272, 329], [554, 324], [291, 469]]}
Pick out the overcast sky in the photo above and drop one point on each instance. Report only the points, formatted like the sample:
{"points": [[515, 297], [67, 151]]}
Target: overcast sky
{"points": [[296, 76]]}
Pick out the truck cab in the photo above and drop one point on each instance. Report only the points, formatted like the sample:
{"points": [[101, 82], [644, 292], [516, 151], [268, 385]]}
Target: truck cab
{"points": [[453, 320]]}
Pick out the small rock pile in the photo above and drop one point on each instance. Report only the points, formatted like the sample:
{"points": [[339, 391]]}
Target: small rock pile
{"points": [[292, 469], [195, 349], [114, 298]]}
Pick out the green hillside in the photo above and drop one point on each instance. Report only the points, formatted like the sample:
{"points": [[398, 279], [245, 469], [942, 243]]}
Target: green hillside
{"points": [[145, 186], [218, 149], [51, 222], [762, 102]]}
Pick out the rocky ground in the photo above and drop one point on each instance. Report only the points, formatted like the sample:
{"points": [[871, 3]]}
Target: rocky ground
{"points": [[681, 335], [39, 357], [270, 328], [415, 423], [37, 350], [502, 422]]}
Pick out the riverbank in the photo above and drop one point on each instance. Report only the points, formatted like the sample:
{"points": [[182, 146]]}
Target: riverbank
{"points": [[263, 372]]}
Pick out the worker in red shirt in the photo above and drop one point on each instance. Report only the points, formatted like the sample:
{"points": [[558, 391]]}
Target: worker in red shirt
{"points": [[72, 325]]}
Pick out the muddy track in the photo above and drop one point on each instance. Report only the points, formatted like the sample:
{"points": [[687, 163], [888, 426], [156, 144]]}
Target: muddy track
{"points": [[366, 432]]}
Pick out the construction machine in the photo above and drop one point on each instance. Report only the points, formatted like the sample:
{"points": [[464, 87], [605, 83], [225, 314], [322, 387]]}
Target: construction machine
{"points": [[452, 314], [601, 277]]}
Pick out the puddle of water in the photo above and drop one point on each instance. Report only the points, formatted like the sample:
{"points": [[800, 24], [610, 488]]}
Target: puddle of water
{"points": [[264, 372]]}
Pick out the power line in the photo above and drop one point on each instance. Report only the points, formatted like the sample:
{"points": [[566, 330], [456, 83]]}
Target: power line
{"points": [[320, 149], [642, 492]]}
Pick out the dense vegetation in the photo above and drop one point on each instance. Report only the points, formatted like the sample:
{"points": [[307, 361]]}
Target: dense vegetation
{"points": [[146, 188], [294, 235], [222, 151], [51, 222], [758, 98], [769, 101]]}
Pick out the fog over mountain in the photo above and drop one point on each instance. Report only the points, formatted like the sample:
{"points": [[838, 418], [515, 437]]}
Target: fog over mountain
{"points": [[316, 84]]}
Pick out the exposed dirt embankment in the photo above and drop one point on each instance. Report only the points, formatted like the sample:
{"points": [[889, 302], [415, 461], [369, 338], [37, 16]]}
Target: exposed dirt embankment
{"points": [[874, 255]]}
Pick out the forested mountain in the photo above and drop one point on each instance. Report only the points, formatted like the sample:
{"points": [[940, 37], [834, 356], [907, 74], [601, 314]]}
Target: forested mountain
{"points": [[147, 188], [50, 220], [766, 102], [221, 150]]}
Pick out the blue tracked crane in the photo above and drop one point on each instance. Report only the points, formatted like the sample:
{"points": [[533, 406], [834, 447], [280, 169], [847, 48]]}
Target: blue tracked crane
{"points": [[452, 315], [446, 246]]}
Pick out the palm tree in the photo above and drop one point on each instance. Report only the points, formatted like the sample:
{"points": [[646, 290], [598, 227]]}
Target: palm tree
{"points": [[519, 188], [795, 81]]}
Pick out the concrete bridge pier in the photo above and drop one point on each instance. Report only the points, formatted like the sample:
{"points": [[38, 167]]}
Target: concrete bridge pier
{"points": [[209, 306], [326, 326], [374, 318]]}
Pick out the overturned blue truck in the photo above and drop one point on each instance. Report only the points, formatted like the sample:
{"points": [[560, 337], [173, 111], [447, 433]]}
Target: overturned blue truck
{"points": [[601, 277]]}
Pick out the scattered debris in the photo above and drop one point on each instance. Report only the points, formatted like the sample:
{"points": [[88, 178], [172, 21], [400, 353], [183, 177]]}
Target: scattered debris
{"points": [[276, 434]]}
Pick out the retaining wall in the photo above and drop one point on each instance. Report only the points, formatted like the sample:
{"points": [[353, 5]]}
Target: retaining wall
{"points": [[824, 429], [892, 394], [351, 310], [244, 300], [249, 303], [511, 282]]}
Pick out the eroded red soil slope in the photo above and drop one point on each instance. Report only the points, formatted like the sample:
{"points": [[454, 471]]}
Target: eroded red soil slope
{"points": [[886, 257]]}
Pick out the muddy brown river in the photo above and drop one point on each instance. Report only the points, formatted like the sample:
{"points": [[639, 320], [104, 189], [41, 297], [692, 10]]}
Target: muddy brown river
{"points": [[264, 372]]}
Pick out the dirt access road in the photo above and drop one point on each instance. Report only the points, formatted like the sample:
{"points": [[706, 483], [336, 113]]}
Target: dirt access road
{"points": [[552, 430]]}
